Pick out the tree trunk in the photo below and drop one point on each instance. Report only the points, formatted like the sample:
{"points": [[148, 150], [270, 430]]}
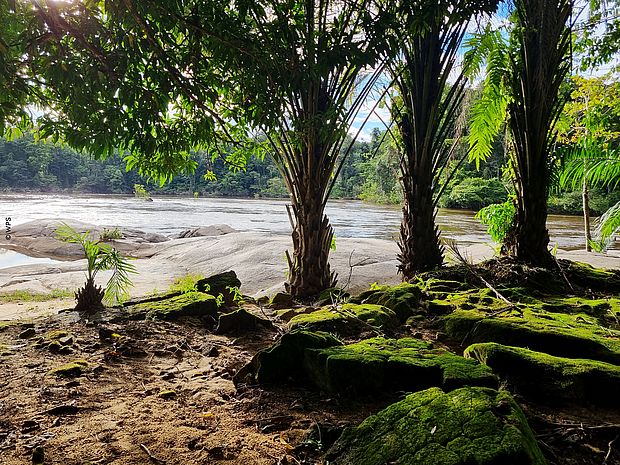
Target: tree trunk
{"points": [[538, 71], [528, 239], [89, 298], [585, 196], [309, 271], [420, 249]]}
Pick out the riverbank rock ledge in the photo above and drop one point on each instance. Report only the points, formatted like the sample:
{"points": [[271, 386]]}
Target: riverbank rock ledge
{"points": [[550, 379], [196, 304], [389, 365], [468, 426], [346, 319]]}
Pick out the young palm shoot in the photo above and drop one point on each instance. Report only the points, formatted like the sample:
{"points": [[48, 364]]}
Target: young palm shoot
{"points": [[100, 257]]}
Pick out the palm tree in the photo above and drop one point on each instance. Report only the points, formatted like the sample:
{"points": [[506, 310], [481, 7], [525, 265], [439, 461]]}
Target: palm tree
{"points": [[425, 113], [541, 64], [523, 82], [99, 257]]}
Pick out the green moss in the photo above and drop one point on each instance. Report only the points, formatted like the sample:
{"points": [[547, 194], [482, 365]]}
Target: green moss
{"points": [[187, 283], [477, 426], [27, 296], [403, 299], [331, 295], [4, 325], [379, 364], [70, 370], [189, 304], [56, 335], [346, 319], [280, 300], [283, 361], [574, 335], [549, 378]]}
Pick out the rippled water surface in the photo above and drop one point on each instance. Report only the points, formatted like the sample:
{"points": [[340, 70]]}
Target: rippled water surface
{"points": [[169, 215]]}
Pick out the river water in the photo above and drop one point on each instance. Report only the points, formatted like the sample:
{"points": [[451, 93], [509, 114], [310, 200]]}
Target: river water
{"points": [[170, 215]]}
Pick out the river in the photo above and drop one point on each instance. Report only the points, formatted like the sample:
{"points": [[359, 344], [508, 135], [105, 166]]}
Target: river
{"points": [[170, 215]]}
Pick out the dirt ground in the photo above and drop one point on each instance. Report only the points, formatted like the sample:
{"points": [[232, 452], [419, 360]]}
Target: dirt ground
{"points": [[162, 393], [114, 413]]}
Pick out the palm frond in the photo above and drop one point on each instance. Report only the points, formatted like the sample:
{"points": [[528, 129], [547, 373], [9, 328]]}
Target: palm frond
{"points": [[598, 166], [66, 233], [119, 283], [608, 225]]}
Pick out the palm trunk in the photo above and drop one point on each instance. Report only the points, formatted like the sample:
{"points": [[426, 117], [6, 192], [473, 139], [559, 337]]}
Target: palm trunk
{"points": [[89, 298], [538, 73], [420, 249], [309, 271], [585, 196], [528, 239]]}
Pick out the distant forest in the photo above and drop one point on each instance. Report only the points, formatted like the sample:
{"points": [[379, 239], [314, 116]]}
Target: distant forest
{"points": [[370, 173]]}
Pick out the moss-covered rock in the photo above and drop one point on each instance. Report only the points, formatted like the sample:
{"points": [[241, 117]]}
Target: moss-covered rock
{"points": [[70, 370], [240, 321], [468, 426], [220, 283], [283, 361], [378, 364], [404, 299], [346, 319], [552, 379], [575, 335], [189, 304], [281, 300], [332, 295]]}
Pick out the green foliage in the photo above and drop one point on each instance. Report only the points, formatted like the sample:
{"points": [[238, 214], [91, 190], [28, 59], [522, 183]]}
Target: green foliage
{"points": [[140, 192], [101, 257], [607, 227], [186, 283], [488, 113], [27, 296], [498, 218], [110, 234], [236, 294], [474, 193]]}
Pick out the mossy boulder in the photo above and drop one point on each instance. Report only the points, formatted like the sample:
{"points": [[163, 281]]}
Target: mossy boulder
{"points": [[403, 299], [468, 426], [551, 379], [332, 295], [70, 370], [378, 365], [575, 335], [281, 300], [240, 321], [220, 283], [283, 361], [346, 319], [195, 304]]}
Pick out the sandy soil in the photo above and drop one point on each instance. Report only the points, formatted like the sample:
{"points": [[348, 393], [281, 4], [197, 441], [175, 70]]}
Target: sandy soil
{"points": [[114, 414]]}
